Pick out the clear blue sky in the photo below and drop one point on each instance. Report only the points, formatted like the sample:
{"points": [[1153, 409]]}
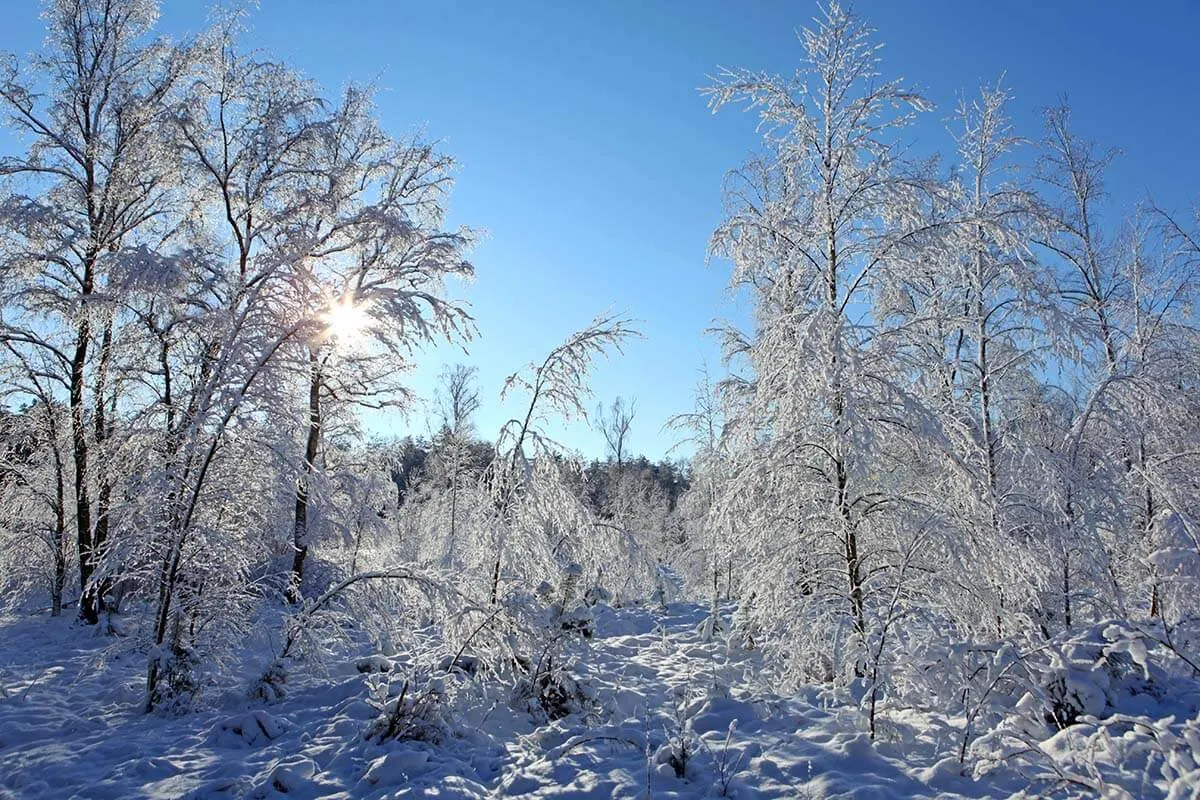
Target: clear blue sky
{"points": [[593, 163]]}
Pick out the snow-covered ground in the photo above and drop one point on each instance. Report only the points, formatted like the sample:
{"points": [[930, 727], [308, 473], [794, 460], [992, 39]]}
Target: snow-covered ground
{"points": [[71, 725]]}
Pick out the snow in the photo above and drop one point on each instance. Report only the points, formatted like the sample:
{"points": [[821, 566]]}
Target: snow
{"points": [[71, 725], [675, 714]]}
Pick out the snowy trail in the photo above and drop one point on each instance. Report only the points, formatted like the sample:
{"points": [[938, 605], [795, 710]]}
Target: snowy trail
{"points": [[653, 677], [659, 676]]}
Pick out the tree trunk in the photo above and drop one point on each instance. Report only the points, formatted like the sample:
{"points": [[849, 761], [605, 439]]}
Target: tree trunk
{"points": [[1066, 586], [301, 528], [854, 577], [104, 483], [60, 557], [168, 577], [1066, 563], [452, 545], [496, 579], [89, 610], [59, 535]]}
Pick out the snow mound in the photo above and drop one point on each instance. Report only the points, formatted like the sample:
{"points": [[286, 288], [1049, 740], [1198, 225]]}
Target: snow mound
{"points": [[252, 729]]}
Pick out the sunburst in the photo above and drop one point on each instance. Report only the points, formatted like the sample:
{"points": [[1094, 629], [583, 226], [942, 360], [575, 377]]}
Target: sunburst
{"points": [[346, 322]]}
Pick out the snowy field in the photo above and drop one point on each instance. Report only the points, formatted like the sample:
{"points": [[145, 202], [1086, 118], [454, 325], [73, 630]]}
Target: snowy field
{"points": [[671, 715], [656, 693]]}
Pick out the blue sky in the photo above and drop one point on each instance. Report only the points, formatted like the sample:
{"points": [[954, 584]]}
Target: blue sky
{"points": [[589, 157]]}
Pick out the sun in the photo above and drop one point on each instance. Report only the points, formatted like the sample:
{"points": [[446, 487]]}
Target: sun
{"points": [[346, 322]]}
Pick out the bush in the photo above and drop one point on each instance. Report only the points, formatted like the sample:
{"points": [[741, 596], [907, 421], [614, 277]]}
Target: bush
{"points": [[410, 709]]}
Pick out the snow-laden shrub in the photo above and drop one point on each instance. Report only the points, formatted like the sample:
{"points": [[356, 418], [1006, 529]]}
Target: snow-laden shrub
{"points": [[1099, 709], [697, 742], [546, 684], [252, 728], [1125, 756], [1120, 756], [676, 754], [551, 690], [271, 686], [1098, 673], [714, 624], [1174, 561], [375, 607], [178, 684], [412, 707]]}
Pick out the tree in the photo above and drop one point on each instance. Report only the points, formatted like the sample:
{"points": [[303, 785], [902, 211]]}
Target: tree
{"points": [[974, 311], [614, 425], [1119, 304], [378, 256], [458, 400], [98, 162], [34, 473], [812, 229], [703, 428], [555, 387]]}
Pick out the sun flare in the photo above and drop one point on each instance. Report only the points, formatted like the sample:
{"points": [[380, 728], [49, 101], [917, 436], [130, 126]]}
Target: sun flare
{"points": [[346, 322]]}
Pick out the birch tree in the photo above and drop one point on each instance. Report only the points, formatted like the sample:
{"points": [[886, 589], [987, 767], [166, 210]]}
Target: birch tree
{"points": [[1093, 457], [812, 226], [377, 258], [977, 310], [555, 388], [458, 401], [99, 172]]}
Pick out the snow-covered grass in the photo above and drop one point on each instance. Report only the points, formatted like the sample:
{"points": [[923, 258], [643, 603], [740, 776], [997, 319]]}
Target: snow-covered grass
{"points": [[670, 711]]}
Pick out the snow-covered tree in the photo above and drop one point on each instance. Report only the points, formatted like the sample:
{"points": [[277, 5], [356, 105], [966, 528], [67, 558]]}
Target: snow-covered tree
{"points": [[524, 477], [822, 418], [92, 108], [376, 257]]}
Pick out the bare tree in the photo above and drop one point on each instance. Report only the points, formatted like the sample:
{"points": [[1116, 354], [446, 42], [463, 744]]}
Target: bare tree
{"points": [[377, 257], [459, 397], [26, 471], [614, 424], [813, 227], [975, 312]]}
